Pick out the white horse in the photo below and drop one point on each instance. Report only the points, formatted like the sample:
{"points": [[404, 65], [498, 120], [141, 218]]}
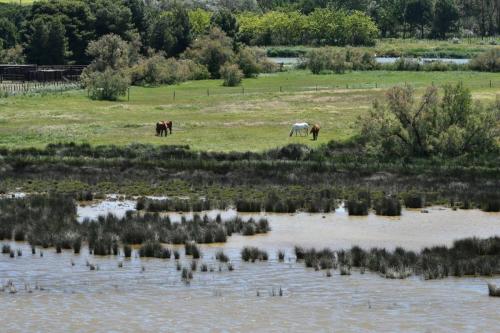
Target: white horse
{"points": [[300, 128]]}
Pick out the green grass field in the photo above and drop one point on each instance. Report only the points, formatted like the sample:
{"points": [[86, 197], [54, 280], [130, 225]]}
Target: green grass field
{"points": [[208, 116], [22, 2]]}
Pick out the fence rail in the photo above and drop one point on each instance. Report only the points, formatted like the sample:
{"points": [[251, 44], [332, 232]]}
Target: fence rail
{"points": [[19, 89]]}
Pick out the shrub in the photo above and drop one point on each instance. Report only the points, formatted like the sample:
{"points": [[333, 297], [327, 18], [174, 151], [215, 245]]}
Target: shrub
{"points": [[414, 200], [248, 61], [357, 207], [107, 85], [231, 74], [159, 70], [448, 126], [388, 206], [488, 61]]}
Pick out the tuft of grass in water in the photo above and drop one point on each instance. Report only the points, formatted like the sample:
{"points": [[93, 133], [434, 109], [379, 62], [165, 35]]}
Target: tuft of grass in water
{"points": [[204, 267], [5, 248], [491, 205], [414, 200], [127, 251], [493, 290], [194, 265], [177, 255], [186, 275], [252, 254], [357, 207], [388, 206], [221, 256], [230, 267], [299, 253], [345, 270], [281, 255], [77, 245], [154, 249], [191, 249]]}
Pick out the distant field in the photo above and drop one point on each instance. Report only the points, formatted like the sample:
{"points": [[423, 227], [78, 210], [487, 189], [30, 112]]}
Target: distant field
{"points": [[22, 2], [208, 116]]}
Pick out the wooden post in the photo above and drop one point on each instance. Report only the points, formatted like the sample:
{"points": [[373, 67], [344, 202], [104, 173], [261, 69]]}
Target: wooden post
{"points": [[490, 83], [208, 91], [281, 89], [243, 90], [128, 94], [174, 95]]}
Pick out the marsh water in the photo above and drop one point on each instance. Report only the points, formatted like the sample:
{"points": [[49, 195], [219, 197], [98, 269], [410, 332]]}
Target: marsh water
{"points": [[148, 294], [291, 61]]}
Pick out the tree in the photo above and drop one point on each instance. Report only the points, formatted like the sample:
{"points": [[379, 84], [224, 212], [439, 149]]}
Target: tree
{"points": [[78, 22], [212, 51], [8, 33], [111, 17], [57, 44], [171, 32], [419, 13], [106, 77], [47, 44], [226, 21], [449, 126], [445, 17], [199, 20]]}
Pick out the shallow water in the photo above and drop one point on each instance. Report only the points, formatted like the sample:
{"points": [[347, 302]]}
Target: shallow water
{"points": [[288, 61], [130, 299]]}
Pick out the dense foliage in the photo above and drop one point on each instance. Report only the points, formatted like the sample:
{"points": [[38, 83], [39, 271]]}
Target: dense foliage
{"points": [[450, 125]]}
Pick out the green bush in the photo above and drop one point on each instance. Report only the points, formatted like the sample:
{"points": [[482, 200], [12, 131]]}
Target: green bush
{"points": [[451, 125], [107, 85], [231, 74], [488, 61], [159, 70]]}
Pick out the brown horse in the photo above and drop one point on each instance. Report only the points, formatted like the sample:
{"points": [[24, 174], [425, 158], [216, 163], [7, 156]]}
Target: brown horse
{"points": [[163, 127], [315, 131]]}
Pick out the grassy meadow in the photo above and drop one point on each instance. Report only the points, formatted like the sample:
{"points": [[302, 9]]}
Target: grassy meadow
{"points": [[207, 116]]}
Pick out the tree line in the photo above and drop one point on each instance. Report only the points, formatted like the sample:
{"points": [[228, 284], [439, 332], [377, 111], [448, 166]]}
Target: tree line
{"points": [[59, 31]]}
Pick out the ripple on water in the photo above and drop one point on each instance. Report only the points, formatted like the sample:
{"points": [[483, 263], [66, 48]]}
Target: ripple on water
{"points": [[129, 299]]}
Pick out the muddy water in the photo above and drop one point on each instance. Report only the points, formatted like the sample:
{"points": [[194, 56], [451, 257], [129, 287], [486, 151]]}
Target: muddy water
{"points": [[132, 299]]}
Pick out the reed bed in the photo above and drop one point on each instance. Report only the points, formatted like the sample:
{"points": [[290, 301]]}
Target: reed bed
{"points": [[466, 257]]}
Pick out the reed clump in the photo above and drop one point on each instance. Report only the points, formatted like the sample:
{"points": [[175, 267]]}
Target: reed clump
{"points": [[466, 257], [221, 256], [253, 254], [388, 206], [154, 249]]}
